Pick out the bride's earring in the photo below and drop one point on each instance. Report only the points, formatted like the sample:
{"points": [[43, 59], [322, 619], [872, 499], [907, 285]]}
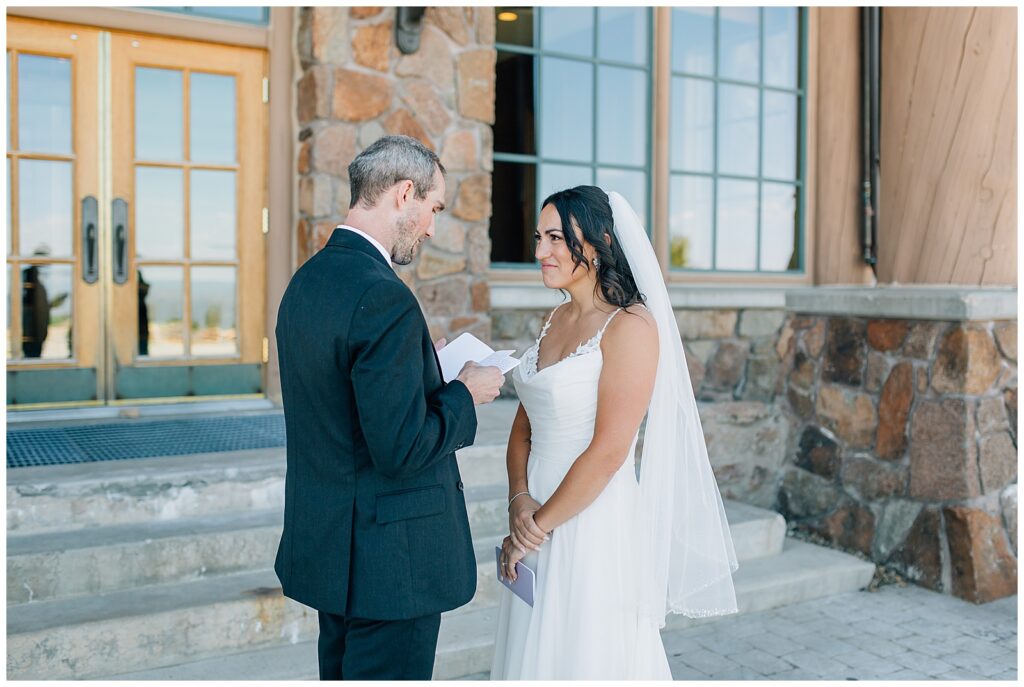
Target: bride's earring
{"points": [[597, 263]]}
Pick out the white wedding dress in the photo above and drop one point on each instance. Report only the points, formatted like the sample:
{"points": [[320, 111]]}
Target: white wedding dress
{"points": [[585, 622]]}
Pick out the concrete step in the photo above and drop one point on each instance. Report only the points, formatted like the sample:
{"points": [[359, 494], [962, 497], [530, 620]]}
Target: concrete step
{"points": [[483, 465], [89, 495], [134, 622], [107, 559], [464, 647], [493, 422], [284, 662], [487, 508], [801, 572], [67, 565], [756, 532], [113, 633], [50, 565]]}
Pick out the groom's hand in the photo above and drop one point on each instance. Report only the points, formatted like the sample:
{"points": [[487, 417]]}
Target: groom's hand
{"points": [[523, 529], [483, 383], [440, 343]]}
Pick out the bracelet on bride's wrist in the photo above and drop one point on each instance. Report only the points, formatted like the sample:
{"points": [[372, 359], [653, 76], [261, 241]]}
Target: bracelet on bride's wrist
{"points": [[514, 498]]}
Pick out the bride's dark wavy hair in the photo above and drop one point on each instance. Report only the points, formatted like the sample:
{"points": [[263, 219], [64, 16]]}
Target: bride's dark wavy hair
{"points": [[589, 209]]}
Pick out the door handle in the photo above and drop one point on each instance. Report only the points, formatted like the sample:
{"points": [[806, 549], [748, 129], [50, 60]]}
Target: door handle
{"points": [[120, 212], [90, 262]]}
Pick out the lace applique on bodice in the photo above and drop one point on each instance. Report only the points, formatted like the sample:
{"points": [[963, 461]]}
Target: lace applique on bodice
{"points": [[529, 361]]}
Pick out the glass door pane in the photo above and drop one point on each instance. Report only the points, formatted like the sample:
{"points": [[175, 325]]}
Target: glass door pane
{"points": [[52, 165]]}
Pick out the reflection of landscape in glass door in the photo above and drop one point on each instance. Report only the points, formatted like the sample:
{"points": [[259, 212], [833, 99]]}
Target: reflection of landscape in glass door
{"points": [[185, 216], [40, 246]]}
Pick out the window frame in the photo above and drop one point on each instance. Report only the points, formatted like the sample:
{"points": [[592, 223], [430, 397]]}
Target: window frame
{"points": [[537, 52], [660, 174], [190, 11], [800, 182]]}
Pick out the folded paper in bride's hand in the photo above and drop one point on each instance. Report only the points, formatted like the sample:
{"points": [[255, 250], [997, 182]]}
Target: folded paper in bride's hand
{"points": [[467, 347]]}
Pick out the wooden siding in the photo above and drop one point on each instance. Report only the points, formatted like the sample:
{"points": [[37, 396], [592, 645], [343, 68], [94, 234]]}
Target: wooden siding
{"points": [[948, 207], [837, 149]]}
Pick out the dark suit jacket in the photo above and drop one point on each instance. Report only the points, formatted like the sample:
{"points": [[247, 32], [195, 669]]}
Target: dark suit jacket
{"points": [[375, 521]]}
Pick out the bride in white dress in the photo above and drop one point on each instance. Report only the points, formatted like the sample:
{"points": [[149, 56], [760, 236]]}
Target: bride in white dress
{"points": [[611, 554]]}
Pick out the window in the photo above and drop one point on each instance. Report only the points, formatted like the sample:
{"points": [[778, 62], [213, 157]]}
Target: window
{"points": [[736, 155], [572, 107], [245, 15]]}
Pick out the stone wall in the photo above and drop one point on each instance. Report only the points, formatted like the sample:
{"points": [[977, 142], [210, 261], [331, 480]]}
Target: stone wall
{"points": [[356, 86], [906, 445], [896, 438]]}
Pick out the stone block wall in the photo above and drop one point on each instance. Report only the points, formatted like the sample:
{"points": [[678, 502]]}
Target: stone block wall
{"points": [[355, 86], [896, 438], [905, 445]]}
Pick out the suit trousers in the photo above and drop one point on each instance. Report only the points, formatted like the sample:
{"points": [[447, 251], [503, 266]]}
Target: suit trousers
{"points": [[362, 649]]}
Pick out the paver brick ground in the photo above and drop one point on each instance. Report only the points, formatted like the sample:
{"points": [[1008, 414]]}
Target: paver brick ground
{"points": [[894, 633]]}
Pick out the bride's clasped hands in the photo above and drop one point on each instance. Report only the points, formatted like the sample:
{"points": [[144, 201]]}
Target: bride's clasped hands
{"points": [[524, 533]]}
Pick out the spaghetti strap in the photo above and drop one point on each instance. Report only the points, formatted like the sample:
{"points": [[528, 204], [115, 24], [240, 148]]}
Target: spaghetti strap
{"points": [[547, 325], [607, 322]]}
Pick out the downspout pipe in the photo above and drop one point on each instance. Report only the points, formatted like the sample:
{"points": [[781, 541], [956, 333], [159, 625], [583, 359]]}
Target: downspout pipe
{"points": [[870, 124]]}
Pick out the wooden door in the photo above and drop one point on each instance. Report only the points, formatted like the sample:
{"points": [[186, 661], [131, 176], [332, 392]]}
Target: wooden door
{"points": [[54, 307], [188, 165], [135, 256]]}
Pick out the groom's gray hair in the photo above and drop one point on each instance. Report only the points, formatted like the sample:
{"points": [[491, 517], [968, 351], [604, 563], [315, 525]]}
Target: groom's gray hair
{"points": [[386, 162]]}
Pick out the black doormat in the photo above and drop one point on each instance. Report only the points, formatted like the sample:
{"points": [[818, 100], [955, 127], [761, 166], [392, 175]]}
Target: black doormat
{"points": [[142, 439]]}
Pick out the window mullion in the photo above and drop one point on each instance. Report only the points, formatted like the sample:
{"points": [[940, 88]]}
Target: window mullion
{"points": [[714, 156], [760, 133], [649, 152], [596, 99], [538, 117], [802, 31]]}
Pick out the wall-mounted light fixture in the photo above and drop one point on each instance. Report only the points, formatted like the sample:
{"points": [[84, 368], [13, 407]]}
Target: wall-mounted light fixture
{"points": [[408, 27], [507, 16]]}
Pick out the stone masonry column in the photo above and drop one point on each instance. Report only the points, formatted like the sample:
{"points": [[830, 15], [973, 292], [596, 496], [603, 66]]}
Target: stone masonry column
{"points": [[354, 87], [905, 441]]}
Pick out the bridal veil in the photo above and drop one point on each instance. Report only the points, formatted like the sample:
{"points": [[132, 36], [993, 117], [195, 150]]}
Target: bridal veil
{"points": [[686, 550]]}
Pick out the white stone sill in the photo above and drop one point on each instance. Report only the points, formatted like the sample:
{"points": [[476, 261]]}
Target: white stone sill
{"points": [[911, 302], [958, 304], [526, 296]]}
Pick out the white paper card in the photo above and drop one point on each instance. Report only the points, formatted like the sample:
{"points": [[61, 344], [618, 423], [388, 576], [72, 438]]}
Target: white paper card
{"points": [[467, 347]]}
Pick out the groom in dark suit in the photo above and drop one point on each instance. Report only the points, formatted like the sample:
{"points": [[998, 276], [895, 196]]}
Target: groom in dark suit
{"points": [[376, 536]]}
